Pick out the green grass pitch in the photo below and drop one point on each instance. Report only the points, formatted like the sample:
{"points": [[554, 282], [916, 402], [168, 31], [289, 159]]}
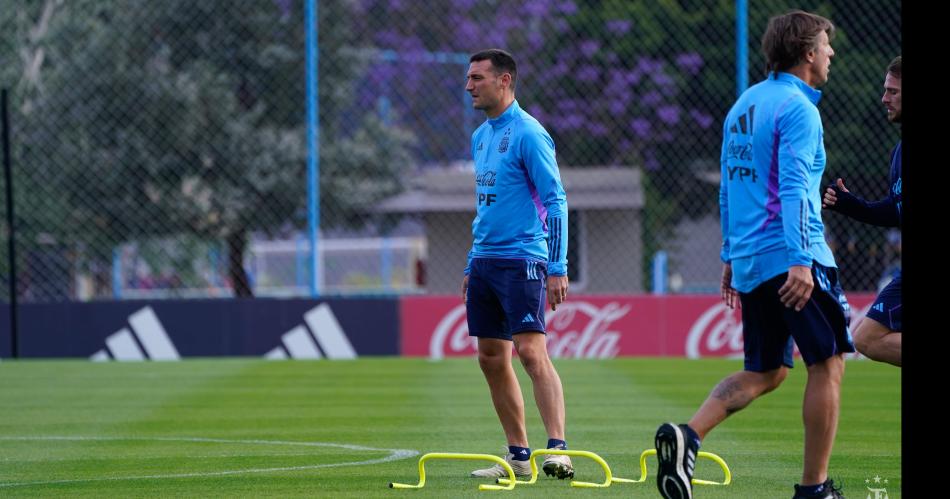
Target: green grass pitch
{"points": [[256, 428]]}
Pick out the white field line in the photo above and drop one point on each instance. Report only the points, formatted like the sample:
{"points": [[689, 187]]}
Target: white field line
{"points": [[394, 455]]}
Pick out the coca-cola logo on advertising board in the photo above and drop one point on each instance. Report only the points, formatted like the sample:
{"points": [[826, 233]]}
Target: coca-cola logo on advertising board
{"points": [[598, 326], [451, 335], [575, 330], [717, 332]]}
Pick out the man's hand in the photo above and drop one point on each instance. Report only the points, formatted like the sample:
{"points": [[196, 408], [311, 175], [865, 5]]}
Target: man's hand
{"points": [[729, 294], [464, 287], [831, 197], [797, 288], [557, 290]]}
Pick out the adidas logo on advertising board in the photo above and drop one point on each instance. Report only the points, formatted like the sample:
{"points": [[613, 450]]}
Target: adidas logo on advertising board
{"points": [[321, 336], [145, 339], [327, 335]]}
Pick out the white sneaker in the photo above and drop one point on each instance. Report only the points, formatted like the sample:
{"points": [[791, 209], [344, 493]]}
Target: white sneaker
{"points": [[521, 468], [558, 465]]}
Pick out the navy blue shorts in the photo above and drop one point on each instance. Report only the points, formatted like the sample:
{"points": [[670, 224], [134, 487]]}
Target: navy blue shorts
{"points": [[505, 297], [820, 329], [887, 306]]}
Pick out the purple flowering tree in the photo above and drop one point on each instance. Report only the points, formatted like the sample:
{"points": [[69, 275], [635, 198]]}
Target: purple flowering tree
{"points": [[615, 83]]}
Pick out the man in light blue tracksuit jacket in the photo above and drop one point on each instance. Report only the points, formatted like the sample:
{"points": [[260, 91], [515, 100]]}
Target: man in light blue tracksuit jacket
{"points": [[518, 260], [777, 265]]}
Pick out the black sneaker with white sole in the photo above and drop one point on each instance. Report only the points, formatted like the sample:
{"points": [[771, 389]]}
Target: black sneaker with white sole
{"points": [[676, 453]]}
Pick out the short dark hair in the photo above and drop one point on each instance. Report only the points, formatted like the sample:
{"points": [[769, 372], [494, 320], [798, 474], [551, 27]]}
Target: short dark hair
{"points": [[894, 67], [501, 61], [789, 37]]}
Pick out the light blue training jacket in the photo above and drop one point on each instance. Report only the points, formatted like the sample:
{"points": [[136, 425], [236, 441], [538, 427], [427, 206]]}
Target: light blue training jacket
{"points": [[521, 208], [773, 158]]}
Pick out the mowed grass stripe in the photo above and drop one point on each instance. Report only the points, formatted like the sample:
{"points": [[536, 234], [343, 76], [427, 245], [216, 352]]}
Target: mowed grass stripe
{"points": [[613, 408]]}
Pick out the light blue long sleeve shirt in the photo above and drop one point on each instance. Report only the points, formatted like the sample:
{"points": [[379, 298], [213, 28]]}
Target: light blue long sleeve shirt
{"points": [[773, 158], [521, 207]]}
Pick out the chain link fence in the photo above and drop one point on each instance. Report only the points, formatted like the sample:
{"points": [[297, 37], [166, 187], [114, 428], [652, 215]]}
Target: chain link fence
{"points": [[160, 148]]}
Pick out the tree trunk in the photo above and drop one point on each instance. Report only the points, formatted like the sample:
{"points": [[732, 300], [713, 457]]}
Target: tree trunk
{"points": [[237, 243]]}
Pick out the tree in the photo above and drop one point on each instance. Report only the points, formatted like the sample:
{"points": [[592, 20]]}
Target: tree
{"points": [[170, 118], [634, 83]]}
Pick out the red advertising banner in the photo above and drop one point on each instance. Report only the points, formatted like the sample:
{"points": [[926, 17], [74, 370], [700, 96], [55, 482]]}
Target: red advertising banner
{"points": [[691, 326]]}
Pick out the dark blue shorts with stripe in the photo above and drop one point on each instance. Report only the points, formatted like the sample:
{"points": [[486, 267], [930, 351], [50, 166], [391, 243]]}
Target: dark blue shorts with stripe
{"points": [[505, 296]]}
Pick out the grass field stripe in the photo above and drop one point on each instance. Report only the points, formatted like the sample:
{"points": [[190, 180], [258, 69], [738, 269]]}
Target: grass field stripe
{"points": [[80, 438], [395, 455], [152, 335]]}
